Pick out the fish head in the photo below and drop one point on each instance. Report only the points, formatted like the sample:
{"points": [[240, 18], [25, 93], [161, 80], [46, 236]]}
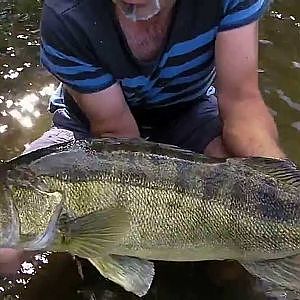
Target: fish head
{"points": [[28, 209], [9, 227]]}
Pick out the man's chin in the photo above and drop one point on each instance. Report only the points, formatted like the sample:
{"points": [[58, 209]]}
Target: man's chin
{"points": [[136, 12]]}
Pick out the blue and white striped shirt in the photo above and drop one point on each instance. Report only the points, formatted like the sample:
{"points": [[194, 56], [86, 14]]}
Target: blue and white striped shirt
{"points": [[82, 46]]}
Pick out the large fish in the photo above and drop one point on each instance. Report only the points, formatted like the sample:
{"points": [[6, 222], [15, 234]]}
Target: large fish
{"points": [[124, 203]]}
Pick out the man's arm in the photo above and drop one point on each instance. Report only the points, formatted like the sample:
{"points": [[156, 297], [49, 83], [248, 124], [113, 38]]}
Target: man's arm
{"points": [[249, 129], [108, 112], [66, 52]]}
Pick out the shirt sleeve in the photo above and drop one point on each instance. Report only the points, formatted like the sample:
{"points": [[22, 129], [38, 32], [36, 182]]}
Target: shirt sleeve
{"points": [[66, 53], [237, 13]]}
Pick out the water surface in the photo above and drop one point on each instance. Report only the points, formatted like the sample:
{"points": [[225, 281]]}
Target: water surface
{"points": [[24, 91]]}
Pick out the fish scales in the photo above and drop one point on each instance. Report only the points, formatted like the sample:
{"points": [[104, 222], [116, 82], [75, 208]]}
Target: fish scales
{"points": [[162, 194], [182, 206]]}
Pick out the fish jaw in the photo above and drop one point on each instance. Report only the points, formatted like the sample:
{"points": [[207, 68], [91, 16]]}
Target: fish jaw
{"points": [[38, 211], [9, 219], [3, 171], [47, 238], [38, 208], [9, 222]]}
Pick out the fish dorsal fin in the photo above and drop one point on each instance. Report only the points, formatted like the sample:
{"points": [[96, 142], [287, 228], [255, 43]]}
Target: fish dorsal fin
{"points": [[112, 144], [282, 170]]}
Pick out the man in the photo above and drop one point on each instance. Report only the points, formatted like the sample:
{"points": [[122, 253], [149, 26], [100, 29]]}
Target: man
{"points": [[147, 68]]}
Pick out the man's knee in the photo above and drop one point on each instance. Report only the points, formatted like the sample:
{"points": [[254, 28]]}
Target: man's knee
{"points": [[51, 137]]}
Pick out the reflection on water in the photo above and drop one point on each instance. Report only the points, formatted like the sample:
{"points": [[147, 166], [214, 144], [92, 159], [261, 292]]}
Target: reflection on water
{"points": [[24, 86], [25, 110], [24, 92], [280, 61], [174, 281]]}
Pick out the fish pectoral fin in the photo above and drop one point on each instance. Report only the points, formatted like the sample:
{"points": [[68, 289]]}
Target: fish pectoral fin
{"points": [[133, 274], [283, 272], [93, 234]]}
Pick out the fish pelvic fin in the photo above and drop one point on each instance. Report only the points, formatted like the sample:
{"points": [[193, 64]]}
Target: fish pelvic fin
{"points": [[284, 272], [273, 291], [92, 235], [133, 274]]}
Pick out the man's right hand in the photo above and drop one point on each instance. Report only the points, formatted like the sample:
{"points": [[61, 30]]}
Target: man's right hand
{"points": [[11, 260], [108, 112]]}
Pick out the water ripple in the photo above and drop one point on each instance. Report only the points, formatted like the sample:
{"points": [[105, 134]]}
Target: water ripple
{"points": [[287, 100]]}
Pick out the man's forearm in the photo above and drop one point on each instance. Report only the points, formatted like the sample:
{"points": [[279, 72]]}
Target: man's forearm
{"points": [[122, 126], [249, 128]]}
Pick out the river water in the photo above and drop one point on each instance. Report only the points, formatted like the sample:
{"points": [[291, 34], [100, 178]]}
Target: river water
{"points": [[24, 91]]}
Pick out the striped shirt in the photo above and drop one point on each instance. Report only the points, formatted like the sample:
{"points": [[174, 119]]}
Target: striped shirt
{"points": [[82, 46]]}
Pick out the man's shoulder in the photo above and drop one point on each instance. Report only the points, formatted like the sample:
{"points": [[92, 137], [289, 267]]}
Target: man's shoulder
{"points": [[64, 6], [61, 6]]}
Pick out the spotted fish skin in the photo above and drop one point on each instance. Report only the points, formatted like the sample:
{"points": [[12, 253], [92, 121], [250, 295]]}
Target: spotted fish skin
{"points": [[182, 206]]}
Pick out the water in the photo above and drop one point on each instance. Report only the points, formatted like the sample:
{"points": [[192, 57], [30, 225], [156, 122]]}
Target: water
{"points": [[24, 90]]}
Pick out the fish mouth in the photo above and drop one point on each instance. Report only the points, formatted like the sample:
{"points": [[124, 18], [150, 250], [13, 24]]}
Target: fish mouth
{"points": [[3, 171], [9, 220], [8, 217]]}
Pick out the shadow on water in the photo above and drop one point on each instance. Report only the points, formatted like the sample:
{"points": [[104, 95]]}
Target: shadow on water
{"points": [[24, 92], [59, 279]]}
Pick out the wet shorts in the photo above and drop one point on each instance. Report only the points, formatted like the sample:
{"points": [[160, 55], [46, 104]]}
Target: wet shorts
{"points": [[190, 126]]}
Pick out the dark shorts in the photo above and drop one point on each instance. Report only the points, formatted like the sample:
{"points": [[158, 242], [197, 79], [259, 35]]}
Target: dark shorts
{"points": [[190, 126]]}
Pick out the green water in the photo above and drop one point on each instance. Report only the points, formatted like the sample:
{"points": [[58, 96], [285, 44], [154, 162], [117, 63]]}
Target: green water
{"points": [[24, 90]]}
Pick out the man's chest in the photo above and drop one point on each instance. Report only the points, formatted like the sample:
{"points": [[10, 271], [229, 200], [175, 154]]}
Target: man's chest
{"points": [[179, 50], [139, 56]]}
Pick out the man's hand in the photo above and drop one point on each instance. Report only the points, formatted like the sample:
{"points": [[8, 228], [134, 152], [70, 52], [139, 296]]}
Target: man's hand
{"points": [[108, 112], [10, 260], [249, 129]]}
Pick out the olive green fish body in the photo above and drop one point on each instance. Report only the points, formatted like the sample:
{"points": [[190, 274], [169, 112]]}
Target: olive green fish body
{"points": [[181, 206], [176, 199]]}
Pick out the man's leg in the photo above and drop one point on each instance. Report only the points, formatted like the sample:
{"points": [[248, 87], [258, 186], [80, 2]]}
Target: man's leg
{"points": [[64, 129], [198, 128]]}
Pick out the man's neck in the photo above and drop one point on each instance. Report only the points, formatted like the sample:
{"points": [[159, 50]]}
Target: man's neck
{"points": [[146, 38]]}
